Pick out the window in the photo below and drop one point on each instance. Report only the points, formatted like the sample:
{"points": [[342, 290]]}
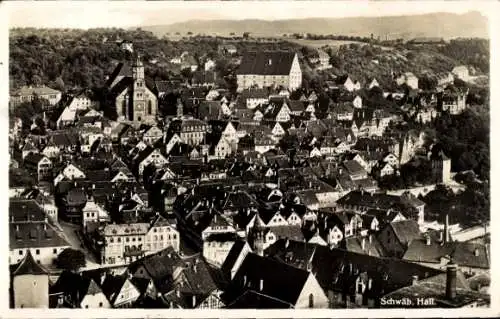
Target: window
{"points": [[111, 240], [175, 236], [37, 251], [119, 240], [86, 306], [311, 301], [150, 107], [127, 239], [100, 304], [124, 106], [54, 250], [20, 252]]}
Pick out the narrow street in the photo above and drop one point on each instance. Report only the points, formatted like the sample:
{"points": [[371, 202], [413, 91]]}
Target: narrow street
{"points": [[70, 233]]}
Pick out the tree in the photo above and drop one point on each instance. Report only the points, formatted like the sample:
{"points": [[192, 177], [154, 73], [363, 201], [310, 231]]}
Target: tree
{"points": [[36, 79], [59, 83], [187, 73], [427, 83], [246, 35], [71, 259]]}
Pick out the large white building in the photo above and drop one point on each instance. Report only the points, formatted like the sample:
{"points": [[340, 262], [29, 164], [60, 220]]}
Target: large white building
{"points": [[29, 93], [268, 69], [31, 232], [124, 243]]}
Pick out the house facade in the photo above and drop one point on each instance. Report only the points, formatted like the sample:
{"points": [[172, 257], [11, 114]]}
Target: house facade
{"points": [[268, 69]]}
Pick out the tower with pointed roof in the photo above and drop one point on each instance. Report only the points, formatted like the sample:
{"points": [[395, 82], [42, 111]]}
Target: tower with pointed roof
{"points": [[257, 236], [135, 101], [30, 284], [139, 90]]}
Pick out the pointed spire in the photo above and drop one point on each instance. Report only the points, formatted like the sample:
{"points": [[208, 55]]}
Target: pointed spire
{"points": [[138, 61]]}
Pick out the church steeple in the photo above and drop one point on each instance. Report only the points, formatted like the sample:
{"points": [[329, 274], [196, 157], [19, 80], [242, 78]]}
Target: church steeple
{"points": [[138, 68], [257, 235]]}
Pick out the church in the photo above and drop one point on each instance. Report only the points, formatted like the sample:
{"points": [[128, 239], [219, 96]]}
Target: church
{"points": [[133, 95]]}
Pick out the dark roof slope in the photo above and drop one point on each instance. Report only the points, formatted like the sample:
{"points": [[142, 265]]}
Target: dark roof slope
{"points": [[267, 63], [28, 266], [275, 279]]}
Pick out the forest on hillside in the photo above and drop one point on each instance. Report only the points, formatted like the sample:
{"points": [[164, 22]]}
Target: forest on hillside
{"points": [[69, 58]]}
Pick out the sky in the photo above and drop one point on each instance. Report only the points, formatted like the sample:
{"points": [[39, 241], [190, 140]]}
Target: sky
{"points": [[100, 13]]}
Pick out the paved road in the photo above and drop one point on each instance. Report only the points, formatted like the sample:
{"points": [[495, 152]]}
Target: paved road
{"points": [[70, 232]]}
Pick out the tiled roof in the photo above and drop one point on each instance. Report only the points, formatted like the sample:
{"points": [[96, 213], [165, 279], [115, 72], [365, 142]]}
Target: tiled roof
{"points": [[24, 210], [435, 288], [377, 200], [406, 231], [34, 235], [462, 253], [267, 63], [372, 246], [38, 90], [275, 279], [126, 229]]}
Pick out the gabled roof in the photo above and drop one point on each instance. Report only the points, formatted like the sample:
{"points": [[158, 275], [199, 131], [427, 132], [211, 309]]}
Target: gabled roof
{"points": [[275, 279], [33, 158], [76, 286], [28, 266], [405, 231], [267, 63]]}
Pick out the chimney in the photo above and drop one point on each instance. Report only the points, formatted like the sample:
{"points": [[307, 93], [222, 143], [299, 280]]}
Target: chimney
{"points": [[441, 236], [363, 243], [370, 238], [428, 240], [270, 61], [451, 281], [287, 243], [414, 279], [177, 293], [261, 286], [103, 277], [476, 252], [370, 282], [194, 301]]}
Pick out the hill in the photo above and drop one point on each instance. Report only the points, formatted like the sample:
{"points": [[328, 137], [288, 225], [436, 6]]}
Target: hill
{"points": [[445, 25]]}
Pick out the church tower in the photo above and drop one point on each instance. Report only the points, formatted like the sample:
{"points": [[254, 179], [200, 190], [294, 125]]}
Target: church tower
{"points": [[30, 284], [441, 168], [257, 236], [139, 91]]}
